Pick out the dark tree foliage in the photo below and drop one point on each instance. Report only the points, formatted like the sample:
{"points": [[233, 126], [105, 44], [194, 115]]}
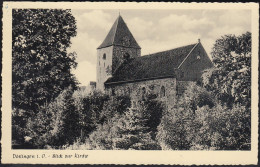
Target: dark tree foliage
{"points": [[90, 109], [56, 124], [231, 79], [115, 105], [152, 111], [41, 66]]}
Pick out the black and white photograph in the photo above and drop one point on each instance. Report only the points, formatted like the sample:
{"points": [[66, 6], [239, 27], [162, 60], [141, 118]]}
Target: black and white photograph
{"points": [[164, 80]]}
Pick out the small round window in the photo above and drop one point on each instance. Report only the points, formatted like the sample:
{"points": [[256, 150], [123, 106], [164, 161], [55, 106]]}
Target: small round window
{"points": [[104, 56]]}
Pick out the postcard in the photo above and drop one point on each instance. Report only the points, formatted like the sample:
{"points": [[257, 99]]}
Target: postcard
{"points": [[130, 83]]}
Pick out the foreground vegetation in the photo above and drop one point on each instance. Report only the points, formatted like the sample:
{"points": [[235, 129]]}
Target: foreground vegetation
{"points": [[96, 121]]}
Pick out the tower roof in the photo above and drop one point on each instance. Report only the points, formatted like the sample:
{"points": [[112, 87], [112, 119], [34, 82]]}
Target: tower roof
{"points": [[119, 35]]}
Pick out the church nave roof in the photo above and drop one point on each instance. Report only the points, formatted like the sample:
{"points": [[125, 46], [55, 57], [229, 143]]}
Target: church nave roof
{"points": [[156, 65]]}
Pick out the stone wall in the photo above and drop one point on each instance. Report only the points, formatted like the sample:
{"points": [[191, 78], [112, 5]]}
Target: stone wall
{"points": [[141, 89]]}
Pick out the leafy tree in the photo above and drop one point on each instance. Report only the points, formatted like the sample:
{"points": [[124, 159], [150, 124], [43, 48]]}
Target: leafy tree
{"points": [[102, 137], [19, 132], [221, 128], [201, 122], [41, 66], [56, 124], [230, 80], [89, 109], [115, 105], [195, 96], [132, 132], [178, 127], [152, 112], [127, 130]]}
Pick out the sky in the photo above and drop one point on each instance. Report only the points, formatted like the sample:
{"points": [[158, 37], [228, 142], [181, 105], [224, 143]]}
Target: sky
{"points": [[154, 31]]}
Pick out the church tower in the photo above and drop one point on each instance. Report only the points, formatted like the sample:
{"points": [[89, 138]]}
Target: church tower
{"points": [[118, 47]]}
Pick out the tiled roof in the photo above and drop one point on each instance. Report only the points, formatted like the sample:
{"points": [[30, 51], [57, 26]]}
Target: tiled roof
{"points": [[119, 35], [157, 65]]}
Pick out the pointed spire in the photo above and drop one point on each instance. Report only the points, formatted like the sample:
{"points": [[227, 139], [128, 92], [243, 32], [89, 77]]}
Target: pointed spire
{"points": [[119, 35]]}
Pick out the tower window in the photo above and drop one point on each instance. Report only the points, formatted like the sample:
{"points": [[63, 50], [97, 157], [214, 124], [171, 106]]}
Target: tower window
{"points": [[104, 56], [162, 91]]}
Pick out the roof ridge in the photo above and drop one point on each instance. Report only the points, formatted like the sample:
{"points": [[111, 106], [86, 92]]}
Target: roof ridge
{"points": [[153, 54], [113, 41], [188, 54]]}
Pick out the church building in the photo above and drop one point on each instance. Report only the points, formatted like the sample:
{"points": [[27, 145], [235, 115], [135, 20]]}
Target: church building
{"points": [[121, 70]]}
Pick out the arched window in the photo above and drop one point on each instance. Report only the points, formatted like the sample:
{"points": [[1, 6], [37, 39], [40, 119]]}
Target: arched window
{"points": [[143, 93], [162, 91], [104, 56]]}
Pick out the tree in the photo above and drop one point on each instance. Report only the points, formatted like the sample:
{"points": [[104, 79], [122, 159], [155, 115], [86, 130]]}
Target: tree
{"points": [[126, 130], [115, 105], [179, 127], [221, 128], [55, 124], [201, 122], [152, 110], [41, 66], [230, 80], [132, 132], [89, 108]]}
